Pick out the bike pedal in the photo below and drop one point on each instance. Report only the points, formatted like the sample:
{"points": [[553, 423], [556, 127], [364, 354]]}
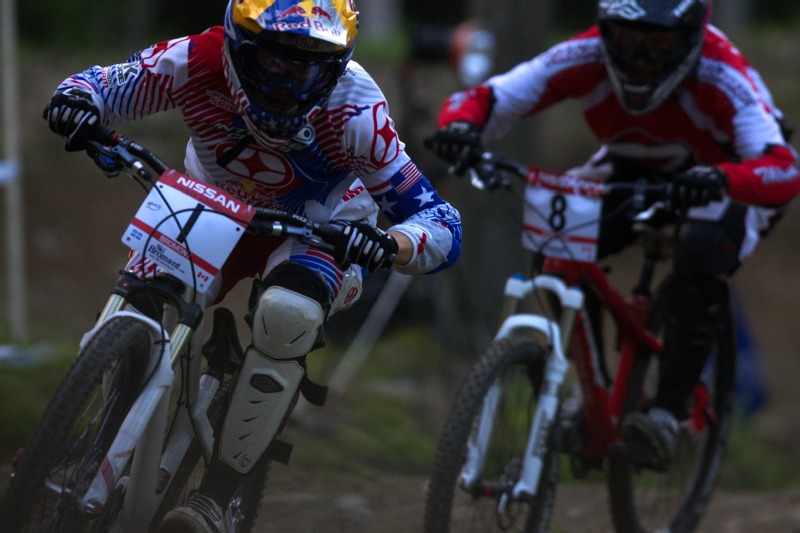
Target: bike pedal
{"points": [[642, 457]]}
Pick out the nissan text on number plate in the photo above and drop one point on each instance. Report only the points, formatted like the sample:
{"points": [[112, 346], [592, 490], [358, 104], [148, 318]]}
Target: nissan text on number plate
{"points": [[188, 228], [561, 215]]}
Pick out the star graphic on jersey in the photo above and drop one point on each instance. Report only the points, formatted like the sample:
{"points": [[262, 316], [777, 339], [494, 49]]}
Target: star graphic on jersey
{"points": [[425, 197], [386, 206]]}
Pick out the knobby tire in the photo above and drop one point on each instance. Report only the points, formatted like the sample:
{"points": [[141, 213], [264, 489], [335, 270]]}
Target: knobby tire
{"points": [[516, 363], [75, 433], [644, 501]]}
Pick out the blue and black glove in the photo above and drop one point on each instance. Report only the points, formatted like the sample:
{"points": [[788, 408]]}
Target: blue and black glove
{"points": [[71, 113], [696, 187], [458, 143], [365, 245]]}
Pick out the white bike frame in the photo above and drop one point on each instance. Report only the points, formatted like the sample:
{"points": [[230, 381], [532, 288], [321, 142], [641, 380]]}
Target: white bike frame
{"points": [[145, 425], [556, 366]]}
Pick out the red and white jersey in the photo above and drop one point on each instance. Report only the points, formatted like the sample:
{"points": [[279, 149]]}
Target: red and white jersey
{"points": [[722, 114], [346, 163]]}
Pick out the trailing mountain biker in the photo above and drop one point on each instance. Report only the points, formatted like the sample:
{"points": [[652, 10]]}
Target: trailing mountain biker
{"points": [[279, 116], [669, 98]]}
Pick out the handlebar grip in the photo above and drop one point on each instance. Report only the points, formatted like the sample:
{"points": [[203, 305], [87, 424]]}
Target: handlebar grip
{"points": [[106, 136], [328, 232]]}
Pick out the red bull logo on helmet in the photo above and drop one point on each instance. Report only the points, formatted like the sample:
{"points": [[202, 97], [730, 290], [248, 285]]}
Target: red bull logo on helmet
{"points": [[307, 15]]}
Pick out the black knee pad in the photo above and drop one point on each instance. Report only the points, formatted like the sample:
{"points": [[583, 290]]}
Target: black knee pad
{"points": [[704, 251]]}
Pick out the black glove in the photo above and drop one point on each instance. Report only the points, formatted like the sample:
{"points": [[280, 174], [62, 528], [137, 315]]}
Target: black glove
{"points": [[459, 143], [365, 245], [72, 114], [696, 187]]}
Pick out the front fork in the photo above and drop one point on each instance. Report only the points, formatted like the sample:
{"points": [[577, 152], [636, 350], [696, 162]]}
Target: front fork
{"points": [[558, 335], [145, 426]]}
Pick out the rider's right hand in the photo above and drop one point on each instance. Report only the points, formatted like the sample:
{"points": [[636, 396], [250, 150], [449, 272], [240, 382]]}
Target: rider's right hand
{"points": [[459, 143], [72, 114]]}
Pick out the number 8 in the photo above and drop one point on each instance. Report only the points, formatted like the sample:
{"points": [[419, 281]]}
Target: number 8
{"points": [[557, 219]]}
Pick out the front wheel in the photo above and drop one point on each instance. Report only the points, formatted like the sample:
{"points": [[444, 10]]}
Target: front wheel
{"points": [[489, 423], [647, 501], [76, 431]]}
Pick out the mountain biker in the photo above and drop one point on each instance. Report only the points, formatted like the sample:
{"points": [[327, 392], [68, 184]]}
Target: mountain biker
{"points": [[279, 116], [669, 97]]}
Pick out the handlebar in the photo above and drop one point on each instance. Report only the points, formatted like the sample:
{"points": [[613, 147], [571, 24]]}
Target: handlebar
{"points": [[123, 153], [491, 171]]}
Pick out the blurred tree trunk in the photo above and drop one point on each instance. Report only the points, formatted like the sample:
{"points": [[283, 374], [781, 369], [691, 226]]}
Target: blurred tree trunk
{"points": [[733, 16], [140, 20], [492, 221], [379, 20], [124, 25]]}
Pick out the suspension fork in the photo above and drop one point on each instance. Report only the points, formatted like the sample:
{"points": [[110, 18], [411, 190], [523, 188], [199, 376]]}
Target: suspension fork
{"points": [[145, 424], [557, 333]]}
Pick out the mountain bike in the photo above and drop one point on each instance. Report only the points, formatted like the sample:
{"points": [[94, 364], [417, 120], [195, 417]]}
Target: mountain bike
{"points": [[573, 355], [128, 432]]}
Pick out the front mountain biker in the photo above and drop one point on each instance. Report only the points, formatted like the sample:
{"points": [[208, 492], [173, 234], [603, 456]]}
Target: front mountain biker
{"points": [[669, 97], [279, 116]]}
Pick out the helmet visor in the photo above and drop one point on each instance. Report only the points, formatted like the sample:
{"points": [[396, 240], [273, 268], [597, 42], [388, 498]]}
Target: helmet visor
{"points": [[280, 83], [643, 54]]}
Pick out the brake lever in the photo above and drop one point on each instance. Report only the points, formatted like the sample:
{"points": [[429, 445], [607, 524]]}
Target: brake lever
{"points": [[475, 179], [120, 154], [302, 234], [650, 212]]}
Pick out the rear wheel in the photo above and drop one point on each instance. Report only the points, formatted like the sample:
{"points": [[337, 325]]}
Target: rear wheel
{"points": [[508, 375], [77, 429], [647, 501]]}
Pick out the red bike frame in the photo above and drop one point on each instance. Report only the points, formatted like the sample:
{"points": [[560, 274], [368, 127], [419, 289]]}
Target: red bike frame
{"points": [[603, 406]]}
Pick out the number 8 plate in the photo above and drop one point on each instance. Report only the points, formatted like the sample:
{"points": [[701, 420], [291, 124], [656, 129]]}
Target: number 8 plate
{"points": [[562, 215]]}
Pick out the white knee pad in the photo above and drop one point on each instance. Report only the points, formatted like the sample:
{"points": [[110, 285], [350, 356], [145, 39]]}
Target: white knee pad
{"points": [[285, 327], [260, 401], [285, 324]]}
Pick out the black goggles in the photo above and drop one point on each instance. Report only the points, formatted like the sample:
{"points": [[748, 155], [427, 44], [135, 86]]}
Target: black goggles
{"points": [[655, 45], [270, 72]]}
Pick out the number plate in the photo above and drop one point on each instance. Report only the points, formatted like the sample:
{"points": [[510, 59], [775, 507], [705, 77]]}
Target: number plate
{"points": [[188, 228], [562, 215]]}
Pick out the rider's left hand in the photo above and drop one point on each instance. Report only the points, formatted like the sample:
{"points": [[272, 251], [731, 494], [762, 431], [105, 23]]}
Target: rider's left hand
{"points": [[365, 245], [696, 187]]}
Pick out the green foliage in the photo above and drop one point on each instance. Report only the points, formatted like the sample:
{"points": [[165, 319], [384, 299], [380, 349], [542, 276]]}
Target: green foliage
{"points": [[24, 393], [385, 419], [752, 464]]}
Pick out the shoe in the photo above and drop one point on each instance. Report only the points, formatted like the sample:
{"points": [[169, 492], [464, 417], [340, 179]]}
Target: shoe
{"points": [[201, 514], [650, 438]]}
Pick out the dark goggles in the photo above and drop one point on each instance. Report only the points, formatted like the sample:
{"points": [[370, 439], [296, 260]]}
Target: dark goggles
{"points": [[658, 46], [269, 72]]}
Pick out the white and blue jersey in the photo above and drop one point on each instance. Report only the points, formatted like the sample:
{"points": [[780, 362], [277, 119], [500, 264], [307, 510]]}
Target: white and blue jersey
{"points": [[346, 163]]}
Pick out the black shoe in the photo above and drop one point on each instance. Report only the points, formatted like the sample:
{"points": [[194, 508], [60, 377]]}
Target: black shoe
{"points": [[201, 514], [650, 438]]}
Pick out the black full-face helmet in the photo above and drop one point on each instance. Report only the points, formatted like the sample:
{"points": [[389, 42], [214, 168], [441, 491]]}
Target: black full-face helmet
{"points": [[650, 46]]}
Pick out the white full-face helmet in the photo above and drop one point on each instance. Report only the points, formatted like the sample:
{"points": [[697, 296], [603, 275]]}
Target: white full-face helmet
{"points": [[650, 46], [283, 58]]}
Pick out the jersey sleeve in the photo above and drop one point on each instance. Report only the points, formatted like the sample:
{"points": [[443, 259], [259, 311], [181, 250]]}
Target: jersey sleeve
{"points": [[150, 81], [765, 169], [404, 195], [566, 70]]}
